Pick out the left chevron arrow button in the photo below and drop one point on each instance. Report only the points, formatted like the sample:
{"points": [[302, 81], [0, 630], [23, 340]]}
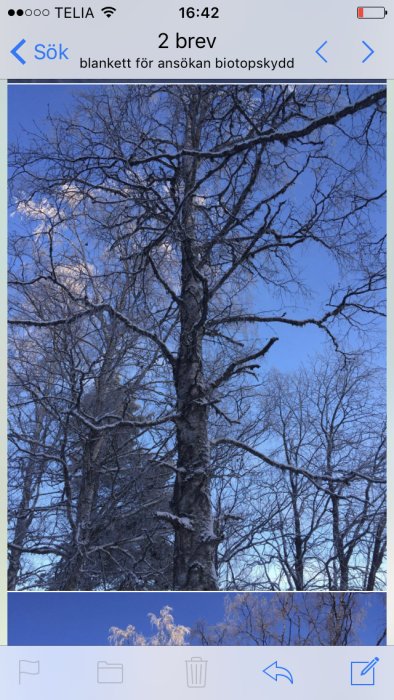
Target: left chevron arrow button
{"points": [[318, 51], [17, 55]]}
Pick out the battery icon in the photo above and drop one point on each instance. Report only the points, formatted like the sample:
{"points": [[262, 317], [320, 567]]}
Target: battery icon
{"points": [[364, 12]]}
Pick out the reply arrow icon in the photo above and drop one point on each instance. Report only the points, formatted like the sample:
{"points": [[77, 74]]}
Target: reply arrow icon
{"points": [[274, 671], [15, 53]]}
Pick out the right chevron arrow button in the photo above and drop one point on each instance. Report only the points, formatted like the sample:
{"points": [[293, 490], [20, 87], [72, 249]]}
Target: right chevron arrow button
{"points": [[371, 51]]}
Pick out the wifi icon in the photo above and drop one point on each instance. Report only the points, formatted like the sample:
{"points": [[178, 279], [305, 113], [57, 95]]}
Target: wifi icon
{"points": [[108, 11]]}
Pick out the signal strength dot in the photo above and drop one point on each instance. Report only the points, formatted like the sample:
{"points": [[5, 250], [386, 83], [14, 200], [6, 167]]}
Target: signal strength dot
{"points": [[108, 11]]}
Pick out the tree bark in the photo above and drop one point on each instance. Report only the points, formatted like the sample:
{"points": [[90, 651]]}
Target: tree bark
{"points": [[339, 547], [378, 551], [298, 539], [195, 541], [72, 576]]}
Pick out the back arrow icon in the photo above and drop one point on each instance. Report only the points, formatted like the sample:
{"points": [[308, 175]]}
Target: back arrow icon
{"points": [[323, 58], [15, 53], [274, 671], [370, 49]]}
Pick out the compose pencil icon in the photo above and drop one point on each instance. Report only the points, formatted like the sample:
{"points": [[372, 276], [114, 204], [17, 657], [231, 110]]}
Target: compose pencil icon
{"points": [[370, 666]]}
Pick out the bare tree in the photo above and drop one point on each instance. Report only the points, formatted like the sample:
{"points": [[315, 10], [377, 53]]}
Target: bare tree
{"points": [[93, 517], [163, 210], [326, 421], [313, 619]]}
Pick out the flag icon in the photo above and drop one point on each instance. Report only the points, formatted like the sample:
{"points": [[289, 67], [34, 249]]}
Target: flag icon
{"points": [[28, 668]]}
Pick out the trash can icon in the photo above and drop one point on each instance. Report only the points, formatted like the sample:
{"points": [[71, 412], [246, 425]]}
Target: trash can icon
{"points": [[196, 672]]}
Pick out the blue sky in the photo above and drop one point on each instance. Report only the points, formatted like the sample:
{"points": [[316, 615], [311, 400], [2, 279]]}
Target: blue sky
{"points": [[85, 618], [29, 103]]}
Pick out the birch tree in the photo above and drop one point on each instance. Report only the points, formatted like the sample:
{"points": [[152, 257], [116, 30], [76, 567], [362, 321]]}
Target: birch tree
{"points": [[317, 619], [313, 619]]}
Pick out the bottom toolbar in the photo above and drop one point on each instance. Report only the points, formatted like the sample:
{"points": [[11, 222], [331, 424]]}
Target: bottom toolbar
{"points": [[95, 673]]}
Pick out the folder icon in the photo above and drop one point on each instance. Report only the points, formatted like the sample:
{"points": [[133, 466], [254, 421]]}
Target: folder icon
{"points": [[109, 673]]}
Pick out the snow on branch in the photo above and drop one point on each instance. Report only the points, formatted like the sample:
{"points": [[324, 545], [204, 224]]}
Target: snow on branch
{"points": [[241, 365], [122, 423], [175, 521]]}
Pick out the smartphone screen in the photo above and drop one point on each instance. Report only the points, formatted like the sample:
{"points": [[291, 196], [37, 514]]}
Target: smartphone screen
{"points": [[195, 202]]}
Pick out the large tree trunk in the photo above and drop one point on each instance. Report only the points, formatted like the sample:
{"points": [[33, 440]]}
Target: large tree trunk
{"points": [[195, 541]]}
